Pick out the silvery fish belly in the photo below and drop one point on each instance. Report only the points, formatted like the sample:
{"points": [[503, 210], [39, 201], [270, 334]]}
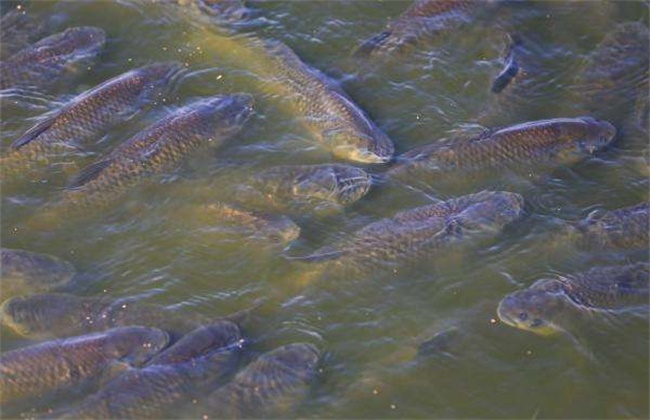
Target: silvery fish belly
{"points": [[305, 188], [18, 29], [25, 272], [86, 118], [35, 371], [418, 233], [47, 61], [271, 385], [161, 147], [544, 143], [549, 305], [174, 378], [47, 316], [423, 19]]}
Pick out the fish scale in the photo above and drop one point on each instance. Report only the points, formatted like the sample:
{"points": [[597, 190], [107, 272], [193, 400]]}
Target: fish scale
{"points": [[622, 228]]}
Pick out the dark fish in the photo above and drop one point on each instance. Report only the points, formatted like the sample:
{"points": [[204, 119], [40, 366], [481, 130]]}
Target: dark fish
{"points": [[419, 233], [37, 370], [25, 272], [156, 150], [422, 19], [303, 188], [511, 66], [44, 63], [271, 385], [545, 143], [545, 307], [47, 316], [87, 117], [18, 29], [169, 380]]}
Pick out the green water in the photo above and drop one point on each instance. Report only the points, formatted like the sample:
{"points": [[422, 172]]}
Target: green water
{"points": [[366, 329]]}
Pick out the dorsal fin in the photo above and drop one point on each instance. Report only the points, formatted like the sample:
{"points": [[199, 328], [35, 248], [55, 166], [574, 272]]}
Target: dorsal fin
{"points": [[35, 131], [324, 254], [88, 173], [369, 45]]}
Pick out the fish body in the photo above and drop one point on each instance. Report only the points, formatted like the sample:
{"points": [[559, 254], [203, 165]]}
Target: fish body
{"points": [[87, 117], [45, 62], [303, 188], [549, 304], [271, 385], [34, 371], [17, 30], [544, 143], [172, 378], [47, 316], [25, 272]]}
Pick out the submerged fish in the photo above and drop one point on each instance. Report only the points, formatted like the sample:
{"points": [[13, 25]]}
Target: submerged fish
{"points": [[25, 272], [271, 385], [415, 234], [87, 117], [156, 150], [511, 65], [48, 316], [422, 19], [303, 188], [45, 62], [17, 30], [34, 371], [545, 143], [169, 380], [549, 304]]}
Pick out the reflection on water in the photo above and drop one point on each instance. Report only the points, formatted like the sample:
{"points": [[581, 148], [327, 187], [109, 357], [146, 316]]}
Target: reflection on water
{"points": [[424, 342]]}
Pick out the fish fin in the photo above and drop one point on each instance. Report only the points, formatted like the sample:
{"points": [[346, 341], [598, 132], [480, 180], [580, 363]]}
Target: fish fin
{"points": [[325, 254], [34, 132], [88, 173], [368, 46]]}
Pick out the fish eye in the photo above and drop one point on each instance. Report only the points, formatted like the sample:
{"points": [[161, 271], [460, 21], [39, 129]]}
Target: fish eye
{"points": [[523, 316]]}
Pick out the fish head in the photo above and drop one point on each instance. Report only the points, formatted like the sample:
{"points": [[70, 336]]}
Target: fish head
{"points": [[596, 135], [230, 112], [76, 40], [135, 344], [280, 230], [340, 184], [299, 359], [536, 309], [492, 212], [151, 79], [350, 144]]}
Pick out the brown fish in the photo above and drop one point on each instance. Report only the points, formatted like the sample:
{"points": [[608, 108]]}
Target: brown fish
{"points": [[25, 272]]}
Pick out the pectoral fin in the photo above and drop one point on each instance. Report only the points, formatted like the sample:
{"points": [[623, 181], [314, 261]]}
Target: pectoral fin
{"points": [[88, 173]]}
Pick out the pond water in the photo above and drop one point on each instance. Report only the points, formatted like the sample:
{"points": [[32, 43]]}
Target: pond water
{"points": [[367, 329]]}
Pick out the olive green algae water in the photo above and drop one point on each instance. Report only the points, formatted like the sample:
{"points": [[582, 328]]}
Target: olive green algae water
{"points": [[367, 331]]}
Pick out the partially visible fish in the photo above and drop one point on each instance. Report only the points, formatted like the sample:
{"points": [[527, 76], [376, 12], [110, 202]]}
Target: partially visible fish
{"points": [[47, 61], [18, 29], [87, 117], [511, 65], [23, 272], [35, 371], [172, 378], [272, 385]]}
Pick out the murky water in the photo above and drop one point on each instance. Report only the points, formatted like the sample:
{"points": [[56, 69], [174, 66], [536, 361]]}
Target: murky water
{"points": [[366, 329]]}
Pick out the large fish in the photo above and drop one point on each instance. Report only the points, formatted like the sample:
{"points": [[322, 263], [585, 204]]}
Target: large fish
{"points": [[548, 305], [412, 235], [271, 385], [545, 143], [300, 188], [87, 117], [159, 148], [46, 316], [47, 61], [17, 30], [35, 371], [169, 380], [422, 19], [25, 272]]}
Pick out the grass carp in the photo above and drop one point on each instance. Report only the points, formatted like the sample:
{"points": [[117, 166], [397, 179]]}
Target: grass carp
{"points": [[37, 370], [45, 62], [23, 272], [548, 304]]}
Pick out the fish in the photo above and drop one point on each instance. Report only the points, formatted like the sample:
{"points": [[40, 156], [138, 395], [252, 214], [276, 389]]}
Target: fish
{"points": [[86, 117], [412, 235], [423, 19], [157, 149], [170, 379], [547, 306], [332, 119], [44, 63], [23, 272], [544, 143], [272, 385], [35, 371], [511, 65], [48, 316], [305, 188], [18, 29]]}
